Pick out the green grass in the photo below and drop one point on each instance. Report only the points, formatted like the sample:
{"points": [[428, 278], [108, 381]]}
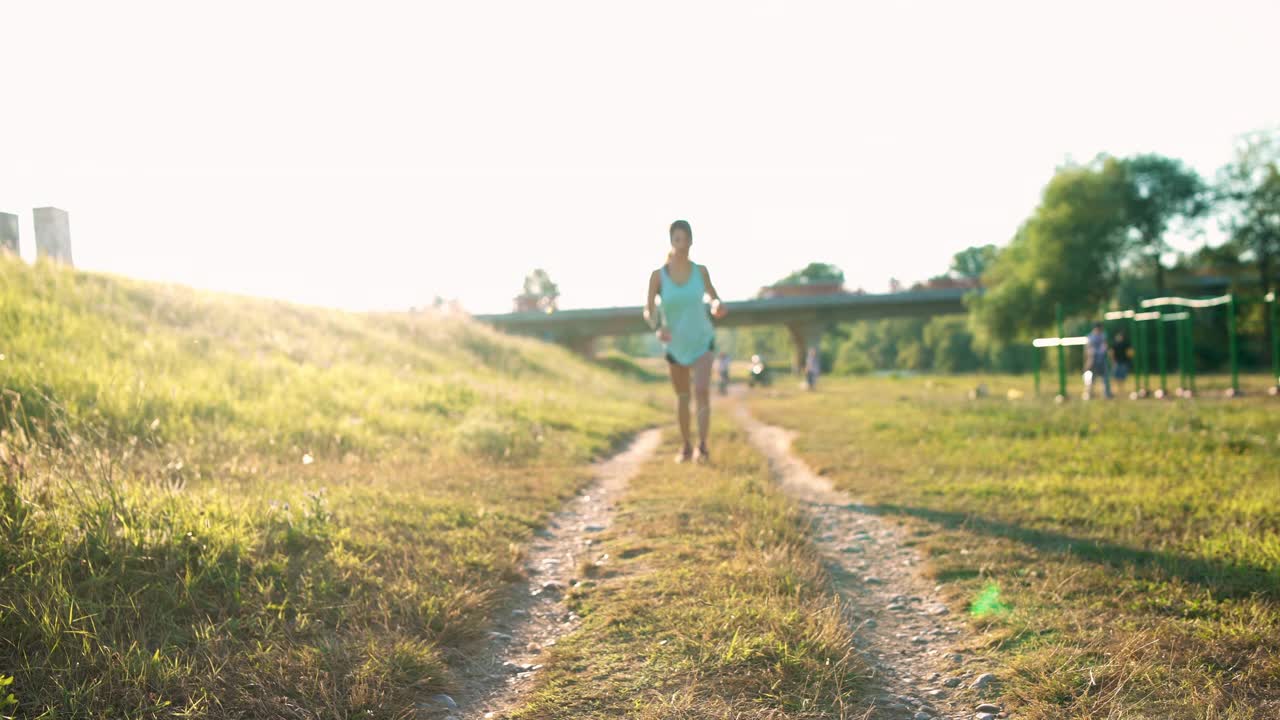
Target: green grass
{"points": [[1121, 559], [217, 507], [712, 605]]}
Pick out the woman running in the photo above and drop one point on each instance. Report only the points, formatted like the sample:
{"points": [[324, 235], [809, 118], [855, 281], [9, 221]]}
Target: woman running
{"points": [[685, 330]]}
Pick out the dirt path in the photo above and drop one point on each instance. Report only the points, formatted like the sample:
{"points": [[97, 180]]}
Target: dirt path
{"points": [[498, 675], [902, 628]]}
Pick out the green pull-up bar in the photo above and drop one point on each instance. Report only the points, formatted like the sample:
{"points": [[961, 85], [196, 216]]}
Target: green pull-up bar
{"points": [[1185, 371], [1061, 343], [1141, 353], [1270, 299], [1193, 303]]}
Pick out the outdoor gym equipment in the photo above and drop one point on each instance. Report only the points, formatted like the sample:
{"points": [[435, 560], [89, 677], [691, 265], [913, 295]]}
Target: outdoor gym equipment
{"points": [[1185, 343], [1275, 342], [1141, 369], [1060, 343], [1186, 347]]}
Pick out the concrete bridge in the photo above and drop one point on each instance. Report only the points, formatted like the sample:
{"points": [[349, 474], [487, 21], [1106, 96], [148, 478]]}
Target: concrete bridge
{"points": [[805, 317]]}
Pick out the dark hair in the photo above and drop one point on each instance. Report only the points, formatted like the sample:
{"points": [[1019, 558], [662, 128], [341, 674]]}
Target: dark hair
{"points": [[681, 225], [1098, 326]]}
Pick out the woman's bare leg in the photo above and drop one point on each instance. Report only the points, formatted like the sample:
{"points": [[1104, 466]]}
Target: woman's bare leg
{"points": [[702, 397], [680, 381]]}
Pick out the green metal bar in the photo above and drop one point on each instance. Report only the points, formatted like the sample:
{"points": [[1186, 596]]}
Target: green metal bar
{"points": [[1181, 336], [1145, 378], [1062, 355], [1275, 337], [1136, 341], [1231, 332], [1164, 385], [1191, 354], [1037, 370]]}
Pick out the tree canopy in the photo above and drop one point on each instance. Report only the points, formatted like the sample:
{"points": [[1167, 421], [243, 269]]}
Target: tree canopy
{"points": [[1160, 190], [1249, 189], [1069, 251], [972, 262], [539, 289], [814, 273]]}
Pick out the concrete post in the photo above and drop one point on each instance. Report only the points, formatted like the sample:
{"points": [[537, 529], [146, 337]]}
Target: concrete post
{"points": [[53, 234], [584, 345], [9, 233], [804, 335]]}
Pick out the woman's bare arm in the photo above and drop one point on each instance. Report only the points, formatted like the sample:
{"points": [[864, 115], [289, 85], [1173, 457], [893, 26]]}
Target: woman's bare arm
{"points": [[650, 303], [717, 308]]}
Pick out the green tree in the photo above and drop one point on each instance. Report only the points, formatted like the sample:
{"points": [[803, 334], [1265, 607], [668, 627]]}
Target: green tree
{"points": [[950, 344], [1069, 251], [1161, 190], [972, 262], [538, 285], [1249, 189], [851, 359], [814, 274]]}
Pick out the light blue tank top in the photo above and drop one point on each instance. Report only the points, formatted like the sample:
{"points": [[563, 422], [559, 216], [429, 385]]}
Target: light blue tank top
{"points": [[686, 317]]}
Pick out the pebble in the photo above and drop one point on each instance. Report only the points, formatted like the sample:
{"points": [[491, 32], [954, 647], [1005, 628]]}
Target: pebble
{"points": [[988, 707], [872, 580], [499, 636], [851, 549], [951, 682], [936, 694], [592, 528], [919, 640], [550, 586], [922, 716], [982, 681], [985, 716], [956, 658], [444, 700]]}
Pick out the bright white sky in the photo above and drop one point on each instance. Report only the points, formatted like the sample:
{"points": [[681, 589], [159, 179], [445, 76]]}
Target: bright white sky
{"points": [[373, 155]]}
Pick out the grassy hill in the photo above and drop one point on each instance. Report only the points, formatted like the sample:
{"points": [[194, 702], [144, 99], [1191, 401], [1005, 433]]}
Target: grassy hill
{"points": [[212, 505]]}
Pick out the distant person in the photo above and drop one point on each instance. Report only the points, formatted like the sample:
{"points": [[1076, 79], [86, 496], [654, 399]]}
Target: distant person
{"points": [[722, 364], [685, 330], [811, 368], [1095, 360], [759, 372], [1122, 359]]}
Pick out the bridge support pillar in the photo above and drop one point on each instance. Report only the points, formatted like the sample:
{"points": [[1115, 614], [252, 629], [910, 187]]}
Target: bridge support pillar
{"points": [[804, 335], [8, 233], [584, 345]]}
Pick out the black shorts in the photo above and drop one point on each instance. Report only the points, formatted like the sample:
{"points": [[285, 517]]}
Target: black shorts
{"points": [[672, 360]]}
